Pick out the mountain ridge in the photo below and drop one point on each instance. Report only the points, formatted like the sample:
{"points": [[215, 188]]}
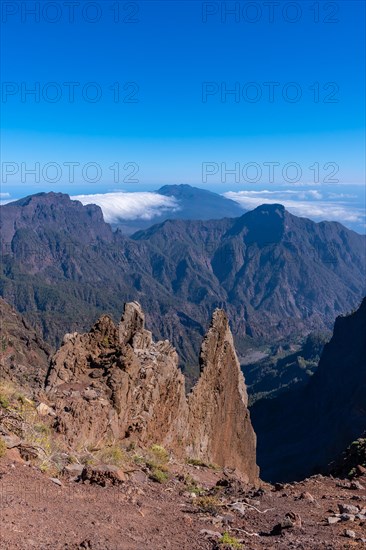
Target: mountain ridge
{"points": [[60, 259]]}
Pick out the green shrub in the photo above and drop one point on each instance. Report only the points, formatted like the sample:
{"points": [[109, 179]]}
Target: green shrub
{"points": [[157, 457], [191, 485], [158, 475], [228, 540], [4, 401], [112, 455], [160, 454], [41, 428], [207, 504]]}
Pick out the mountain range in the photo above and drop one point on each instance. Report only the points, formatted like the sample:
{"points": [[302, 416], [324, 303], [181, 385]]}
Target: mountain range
{"points": [[278, 276], [191, 203]]}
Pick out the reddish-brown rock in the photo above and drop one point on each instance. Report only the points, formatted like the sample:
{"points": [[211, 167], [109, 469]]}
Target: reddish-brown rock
{"points": [[220, 429], [115, 383]]}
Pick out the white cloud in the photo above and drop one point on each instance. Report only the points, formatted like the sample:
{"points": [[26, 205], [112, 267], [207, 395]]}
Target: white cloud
{"points": [[311, 194], [4, 195], [314, 209], [130, 206]]}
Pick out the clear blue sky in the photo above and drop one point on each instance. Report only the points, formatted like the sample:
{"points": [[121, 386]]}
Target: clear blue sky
{"points": [[169, 52]]}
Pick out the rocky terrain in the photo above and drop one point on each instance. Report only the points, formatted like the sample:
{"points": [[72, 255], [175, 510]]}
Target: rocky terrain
{"points": [[108, 453], [196, 508], [117, 384], [276, 275]]}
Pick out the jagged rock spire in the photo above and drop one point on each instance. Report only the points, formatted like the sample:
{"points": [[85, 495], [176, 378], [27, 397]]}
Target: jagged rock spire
{"points": [[133, 321], [220, 430], [118, 384]]}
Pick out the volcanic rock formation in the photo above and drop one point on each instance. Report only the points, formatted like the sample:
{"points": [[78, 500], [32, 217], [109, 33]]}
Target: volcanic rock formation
{"points": [[115, 383]]}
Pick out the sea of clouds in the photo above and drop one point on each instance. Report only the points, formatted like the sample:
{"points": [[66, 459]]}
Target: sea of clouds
{"points": [[309, 203], [130, 206]]}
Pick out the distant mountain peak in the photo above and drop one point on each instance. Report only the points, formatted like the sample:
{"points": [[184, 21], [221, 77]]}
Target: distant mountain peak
{"points": [[56, 212], [185, 191], [263, 225], [271, 209], [44, 198]]}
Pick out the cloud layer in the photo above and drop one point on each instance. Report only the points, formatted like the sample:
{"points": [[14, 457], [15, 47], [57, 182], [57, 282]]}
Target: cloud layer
{"points": [[130, 206], [309, 203]]}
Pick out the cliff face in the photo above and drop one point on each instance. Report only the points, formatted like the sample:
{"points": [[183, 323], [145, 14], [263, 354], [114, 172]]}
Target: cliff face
{"points": [[24, 357], [219, 422], [302, 432], [115, 383]]}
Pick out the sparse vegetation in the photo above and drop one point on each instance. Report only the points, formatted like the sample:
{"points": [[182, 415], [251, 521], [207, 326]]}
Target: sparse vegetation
{"points": [[157, 457], [106, 342], [160, 454], [87, 459], [7, 394], [208, 504], [112, 455], [191, 485], [18, 415], [198, 462], [4, 401], [229, 541], [158, 475], [155, 461]]}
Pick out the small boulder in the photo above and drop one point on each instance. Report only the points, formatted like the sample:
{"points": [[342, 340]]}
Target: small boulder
{"points": [[347, 517], [45, 410], [210, 534], [333, 519], [103, 475], [290, 521], [348, 509], [90, 394], [74, 469], [56, 481], [357, 485], [306, 496], [350, 534]]}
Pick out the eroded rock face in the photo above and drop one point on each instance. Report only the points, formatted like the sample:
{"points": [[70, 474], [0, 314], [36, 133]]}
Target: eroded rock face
{"points": [[115, 383], [220, 429], [24, 356]]}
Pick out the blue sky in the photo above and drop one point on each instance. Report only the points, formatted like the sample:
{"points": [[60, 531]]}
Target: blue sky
{"points": [[172, 62]]}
